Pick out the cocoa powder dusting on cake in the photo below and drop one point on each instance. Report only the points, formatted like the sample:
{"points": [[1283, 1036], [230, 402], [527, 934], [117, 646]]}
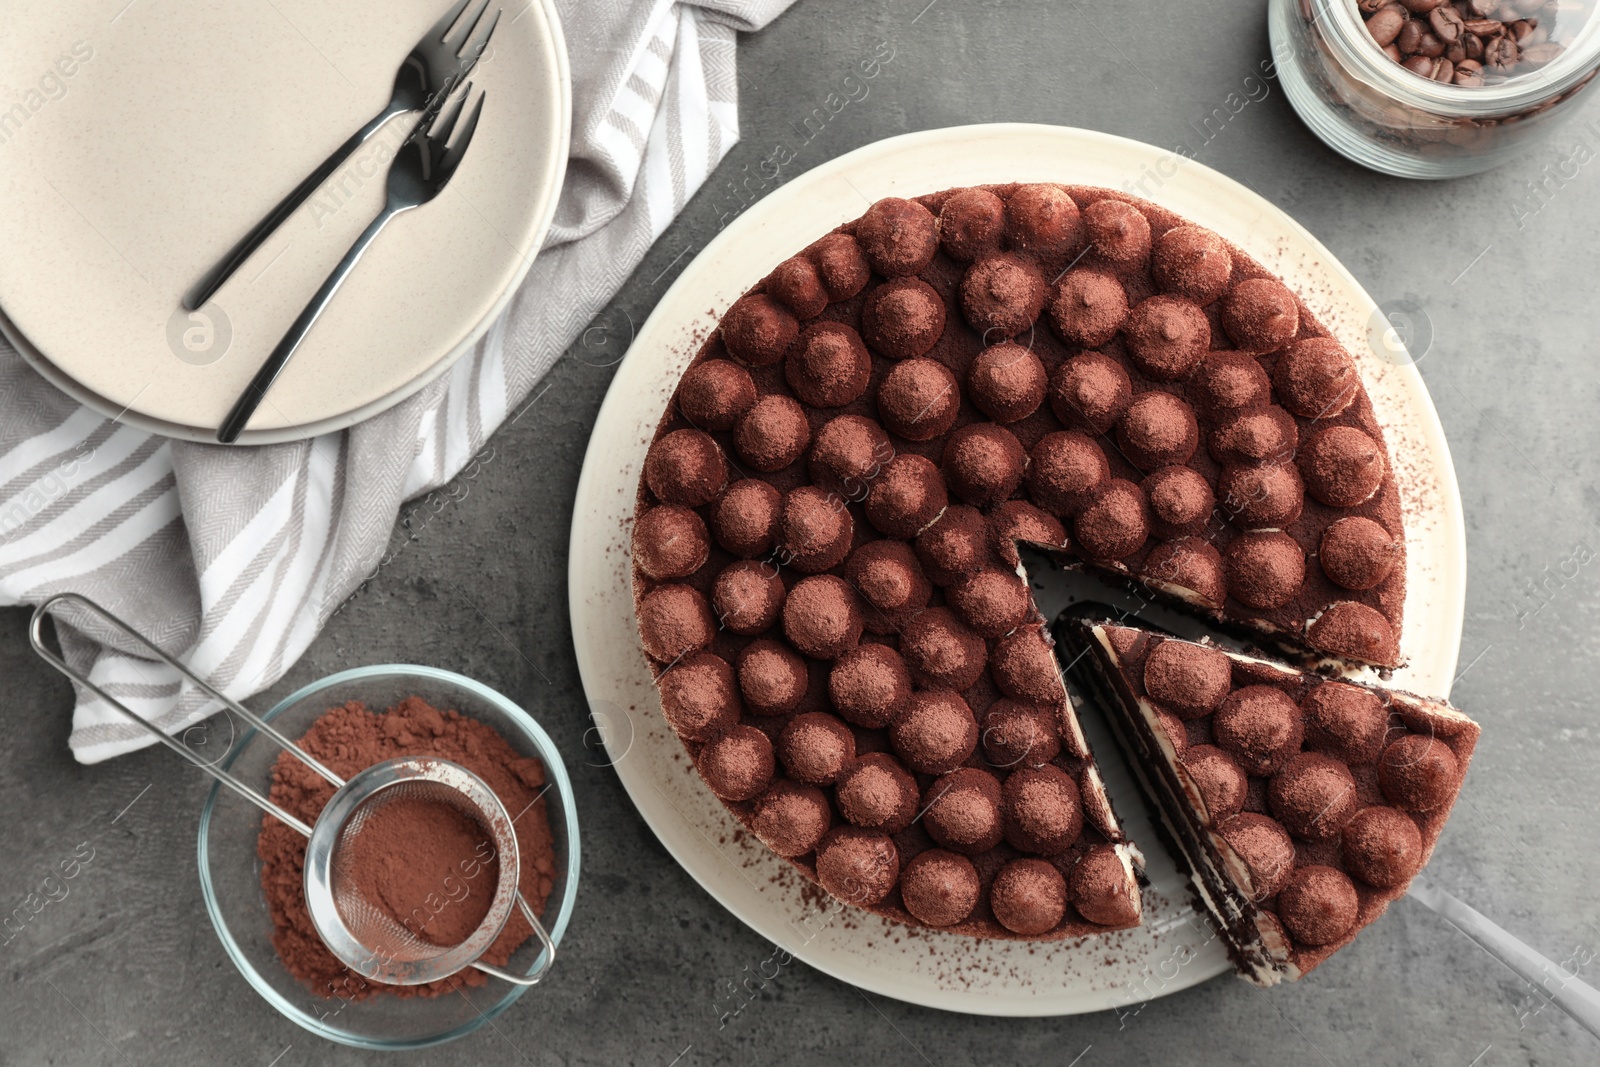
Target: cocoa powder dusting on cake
{"points": [[935, 381]]}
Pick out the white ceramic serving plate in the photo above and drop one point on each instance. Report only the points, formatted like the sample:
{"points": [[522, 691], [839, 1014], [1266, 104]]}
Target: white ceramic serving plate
{"points": [[1173, 949], [153, 135]]}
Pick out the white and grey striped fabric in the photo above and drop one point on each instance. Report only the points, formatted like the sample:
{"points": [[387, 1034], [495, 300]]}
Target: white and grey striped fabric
{"points": [[238, 556]]}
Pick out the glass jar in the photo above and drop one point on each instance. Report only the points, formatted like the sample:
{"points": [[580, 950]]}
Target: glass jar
{"points": [[1368, 107]]}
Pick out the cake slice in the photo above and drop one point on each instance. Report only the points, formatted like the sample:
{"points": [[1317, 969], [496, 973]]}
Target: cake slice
{"points": [[1301, 806]]}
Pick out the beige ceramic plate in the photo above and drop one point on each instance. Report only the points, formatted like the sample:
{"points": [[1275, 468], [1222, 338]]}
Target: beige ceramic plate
{"points": [[147, 137], [1173, 949]]}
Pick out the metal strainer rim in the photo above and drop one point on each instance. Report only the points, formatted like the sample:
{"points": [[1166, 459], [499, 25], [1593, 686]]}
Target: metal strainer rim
{"points": [[369, 961]]}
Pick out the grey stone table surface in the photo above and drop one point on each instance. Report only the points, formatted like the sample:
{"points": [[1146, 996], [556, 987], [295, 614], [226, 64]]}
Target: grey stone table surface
{"points": [[126, 969]]}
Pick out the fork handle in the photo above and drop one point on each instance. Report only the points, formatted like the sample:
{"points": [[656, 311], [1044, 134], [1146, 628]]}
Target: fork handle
{"points": [[223, 269], [247, 403]]}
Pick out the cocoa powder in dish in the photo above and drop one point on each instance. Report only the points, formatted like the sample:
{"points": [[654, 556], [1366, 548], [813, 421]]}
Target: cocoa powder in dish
{"points": [[350, 738]]}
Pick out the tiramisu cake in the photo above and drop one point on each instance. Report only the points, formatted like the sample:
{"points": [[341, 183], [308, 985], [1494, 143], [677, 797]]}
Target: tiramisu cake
{"points": [[825, 564], [1300, 805]]}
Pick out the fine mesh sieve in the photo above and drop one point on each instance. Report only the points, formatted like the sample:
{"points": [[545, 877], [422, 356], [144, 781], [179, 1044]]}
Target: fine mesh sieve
{"points": [[361, 932], [367, 921], [358, 932]]}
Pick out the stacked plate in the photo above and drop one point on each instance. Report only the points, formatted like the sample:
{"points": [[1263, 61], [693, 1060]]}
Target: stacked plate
{"points": [[148, 137]]}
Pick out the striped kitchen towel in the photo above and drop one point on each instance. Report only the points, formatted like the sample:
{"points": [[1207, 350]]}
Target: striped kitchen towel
{"points": [[237, 556]]}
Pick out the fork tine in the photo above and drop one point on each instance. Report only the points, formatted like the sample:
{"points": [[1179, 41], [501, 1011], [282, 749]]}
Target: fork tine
{"points": [[442, 27], [480, 41], [454, 41], [439, 132], [452, 159]]}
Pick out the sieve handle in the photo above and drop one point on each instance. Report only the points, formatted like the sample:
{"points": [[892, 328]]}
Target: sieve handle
{"points": [[549, 955], [36, 637]]}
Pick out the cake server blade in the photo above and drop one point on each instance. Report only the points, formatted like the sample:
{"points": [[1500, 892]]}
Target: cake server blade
{"points": [[1552, 982]]}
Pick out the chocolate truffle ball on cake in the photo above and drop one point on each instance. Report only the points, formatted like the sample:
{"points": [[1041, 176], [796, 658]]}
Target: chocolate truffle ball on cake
{"points": [[1118, 232]]}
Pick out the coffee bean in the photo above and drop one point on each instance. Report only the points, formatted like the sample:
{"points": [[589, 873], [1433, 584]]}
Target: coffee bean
{"points": [[1468, 76], [1542, 53], [1501, 53], [1447, 25], [1429, 45], [1393, 53], [1419, 65], [1421, 7], [1484, 27], [1386, 24], [1444, 71], [1410, 37], [1456, 52], [1474, 46]]}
